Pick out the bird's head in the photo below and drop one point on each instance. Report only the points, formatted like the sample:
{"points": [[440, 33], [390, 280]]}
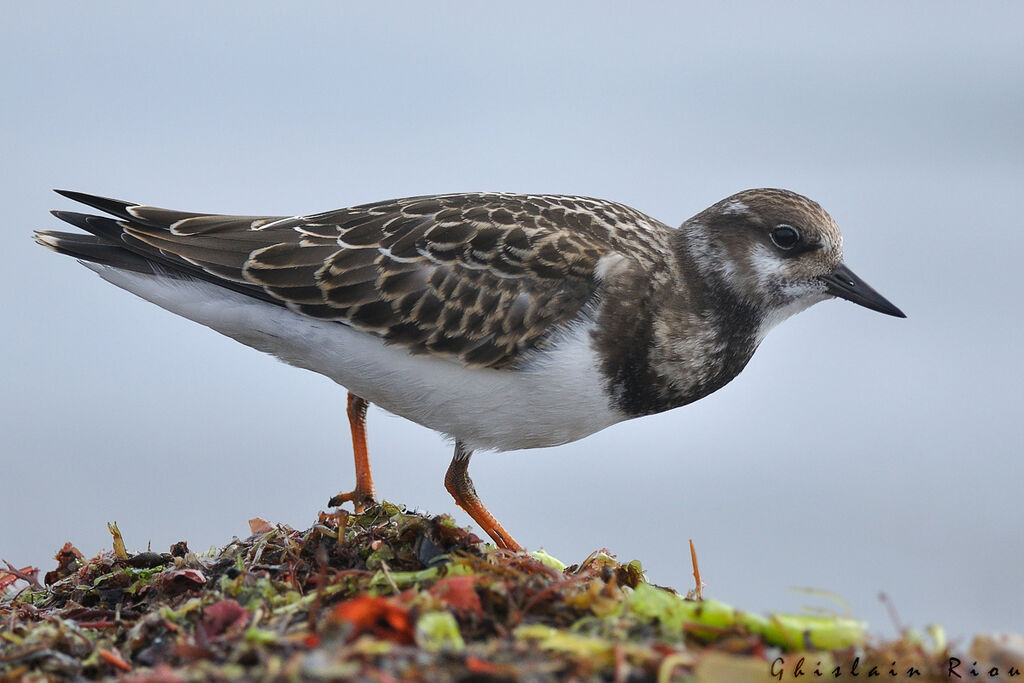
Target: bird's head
{"points": [[778, 252]]}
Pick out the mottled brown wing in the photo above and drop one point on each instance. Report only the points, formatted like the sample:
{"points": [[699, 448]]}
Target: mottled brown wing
{"points": [[481, 277]]}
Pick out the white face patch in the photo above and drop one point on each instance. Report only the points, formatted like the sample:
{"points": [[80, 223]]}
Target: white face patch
{"points": [[767, 266], [709, 258], [769, 272]]}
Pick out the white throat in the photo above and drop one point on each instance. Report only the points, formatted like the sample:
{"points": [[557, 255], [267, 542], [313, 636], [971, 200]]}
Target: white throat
{"points": [[808, 296]]}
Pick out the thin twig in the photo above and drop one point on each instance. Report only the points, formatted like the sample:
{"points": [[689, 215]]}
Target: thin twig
{"points": [[699, 591], [387, 575], [891, 608]]}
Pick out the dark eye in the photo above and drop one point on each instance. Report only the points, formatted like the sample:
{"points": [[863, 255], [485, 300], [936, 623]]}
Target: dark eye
{"points": [[785, 236]]}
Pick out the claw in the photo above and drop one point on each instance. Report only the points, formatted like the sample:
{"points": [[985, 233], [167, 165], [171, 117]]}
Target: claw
{"points": [[360, 500]]}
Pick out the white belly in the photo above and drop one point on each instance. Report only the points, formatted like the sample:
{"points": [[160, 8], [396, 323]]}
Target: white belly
{"points": [[556, 398]]}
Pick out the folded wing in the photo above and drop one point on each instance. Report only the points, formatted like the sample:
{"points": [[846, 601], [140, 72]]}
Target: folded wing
{"points": [[481, 277]]}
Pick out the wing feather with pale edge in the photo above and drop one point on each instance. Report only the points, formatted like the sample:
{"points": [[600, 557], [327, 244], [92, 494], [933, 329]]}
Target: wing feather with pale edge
{"points": [[482, 277]]}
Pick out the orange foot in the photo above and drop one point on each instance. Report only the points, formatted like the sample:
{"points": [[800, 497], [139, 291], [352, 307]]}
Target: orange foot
{"points": [[461, 487]]}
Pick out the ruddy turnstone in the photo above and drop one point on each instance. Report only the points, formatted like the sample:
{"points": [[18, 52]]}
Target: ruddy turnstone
{"points": [[504, 321]]}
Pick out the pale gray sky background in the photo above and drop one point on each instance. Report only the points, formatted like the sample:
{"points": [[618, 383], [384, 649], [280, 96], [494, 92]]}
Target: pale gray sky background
{"points": [[856, 454]]}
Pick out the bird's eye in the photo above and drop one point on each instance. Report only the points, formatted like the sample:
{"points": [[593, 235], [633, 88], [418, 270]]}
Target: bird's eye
{"points": [[785, 236]]}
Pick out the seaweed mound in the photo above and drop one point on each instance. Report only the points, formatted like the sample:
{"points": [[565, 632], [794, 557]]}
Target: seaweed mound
{"points": [[395, 595]]}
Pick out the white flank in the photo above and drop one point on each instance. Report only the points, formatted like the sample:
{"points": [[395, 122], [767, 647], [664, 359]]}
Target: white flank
{"points": [[556, 398]]}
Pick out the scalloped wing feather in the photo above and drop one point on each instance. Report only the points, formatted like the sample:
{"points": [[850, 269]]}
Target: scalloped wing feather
{"points": [[485, 278]]}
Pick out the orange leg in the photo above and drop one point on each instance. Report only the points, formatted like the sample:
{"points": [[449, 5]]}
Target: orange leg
{"points": [[363, 494], [459, 484]]}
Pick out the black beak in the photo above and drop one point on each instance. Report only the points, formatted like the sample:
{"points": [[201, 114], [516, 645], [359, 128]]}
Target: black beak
{"points": [[842, 282]]}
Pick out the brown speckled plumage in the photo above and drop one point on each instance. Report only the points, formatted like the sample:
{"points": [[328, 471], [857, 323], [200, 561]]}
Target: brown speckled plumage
{"points": [[482, 277]]}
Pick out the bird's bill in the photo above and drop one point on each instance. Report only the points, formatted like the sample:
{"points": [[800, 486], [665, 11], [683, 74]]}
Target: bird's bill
{"points": [[844, 283]]}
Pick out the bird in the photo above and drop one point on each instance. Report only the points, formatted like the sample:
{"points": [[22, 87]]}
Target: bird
{"points": [[503, 321]]}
